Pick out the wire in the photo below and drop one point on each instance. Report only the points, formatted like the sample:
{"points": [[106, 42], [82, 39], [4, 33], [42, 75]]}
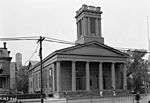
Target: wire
{"points": [[23, 37], [63, 42], [58, 41], [132, 50], [37, 38], [19, 38], [32, 54]]}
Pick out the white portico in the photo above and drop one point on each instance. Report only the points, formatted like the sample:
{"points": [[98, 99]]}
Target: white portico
{"points": [[93, 66]]}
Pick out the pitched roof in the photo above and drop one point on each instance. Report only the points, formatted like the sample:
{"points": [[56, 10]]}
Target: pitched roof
{"points": [[32, 63], [93, 48]]}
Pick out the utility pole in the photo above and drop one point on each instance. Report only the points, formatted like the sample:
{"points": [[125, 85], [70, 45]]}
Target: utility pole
{"points": [[40, 54]]}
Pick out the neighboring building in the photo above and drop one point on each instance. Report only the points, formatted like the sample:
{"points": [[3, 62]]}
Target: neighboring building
{"points": [[18, 60], [89, 65], [17, 73], [14, 68], [13, 76], [4, 70], [30, 80]]}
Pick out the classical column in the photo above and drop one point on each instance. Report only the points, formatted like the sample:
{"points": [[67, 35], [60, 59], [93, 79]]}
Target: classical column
{"points": [[58, 73], [100, 76], [89, 31], [124, 76], [73, 76], [87, 77], [85, 25], [53, 76], [97, 27], [113, 75]]}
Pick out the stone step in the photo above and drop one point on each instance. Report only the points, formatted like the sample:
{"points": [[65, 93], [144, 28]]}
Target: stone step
{"points": [[89, 94], [4, 91]]}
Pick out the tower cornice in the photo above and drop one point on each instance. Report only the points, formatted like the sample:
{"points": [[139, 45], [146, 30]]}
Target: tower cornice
{"points": [[91, 9]]}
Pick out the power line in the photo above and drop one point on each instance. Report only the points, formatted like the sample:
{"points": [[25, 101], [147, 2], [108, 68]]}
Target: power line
{"points": [[132, 50], [19, 38], [60, 41], [63, 42], [32, 54], [37, 38]]}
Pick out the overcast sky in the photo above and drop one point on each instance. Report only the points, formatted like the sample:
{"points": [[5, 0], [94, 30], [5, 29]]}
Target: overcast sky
{"points": [[124, 23]]}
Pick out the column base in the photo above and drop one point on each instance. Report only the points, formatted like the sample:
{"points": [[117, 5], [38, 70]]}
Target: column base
{"points": [[56, 95], [59, 95]]}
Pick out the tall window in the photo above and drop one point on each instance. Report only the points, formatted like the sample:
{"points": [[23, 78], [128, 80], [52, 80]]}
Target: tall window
{"points": [[37, 82], [50, 79], [45, 77], [39, 79], [92, 25], [1, 82], [107, 76], [119, 75], [80, 28]]}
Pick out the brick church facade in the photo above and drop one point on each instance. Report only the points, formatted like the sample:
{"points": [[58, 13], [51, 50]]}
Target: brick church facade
{"points": [[88, 66]]}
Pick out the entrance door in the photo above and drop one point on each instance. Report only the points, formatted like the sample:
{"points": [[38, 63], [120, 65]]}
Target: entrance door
{"points": [[2, 82], [78, 83]]}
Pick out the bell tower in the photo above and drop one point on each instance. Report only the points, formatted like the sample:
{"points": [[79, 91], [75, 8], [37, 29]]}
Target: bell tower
{"points": [[88, 20]]}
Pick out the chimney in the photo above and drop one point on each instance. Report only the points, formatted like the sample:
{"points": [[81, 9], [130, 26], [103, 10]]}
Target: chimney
{"points": [[4, 45]]}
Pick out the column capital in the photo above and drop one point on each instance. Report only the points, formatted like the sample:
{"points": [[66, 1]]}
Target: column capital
{"points": [[113, 62], [87, 61], [125, 63], [100, 62], [52, 64], [73, 61], [58, 61]]}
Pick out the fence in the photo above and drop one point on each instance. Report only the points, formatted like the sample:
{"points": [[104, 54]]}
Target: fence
{"points": [[101, 99], [86, 99]]}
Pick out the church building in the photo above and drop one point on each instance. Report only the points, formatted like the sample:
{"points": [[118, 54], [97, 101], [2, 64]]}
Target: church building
{"points": [[90, 65]]}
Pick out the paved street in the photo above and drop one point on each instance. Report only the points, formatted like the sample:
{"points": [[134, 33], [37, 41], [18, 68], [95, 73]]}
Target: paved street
{"points": [[145, 99]]}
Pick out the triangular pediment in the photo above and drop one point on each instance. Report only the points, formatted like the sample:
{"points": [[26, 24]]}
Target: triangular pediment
{"points": [[92, 48]]}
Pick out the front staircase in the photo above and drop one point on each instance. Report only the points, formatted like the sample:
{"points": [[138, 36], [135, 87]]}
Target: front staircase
{"points": [[4, 91]]}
